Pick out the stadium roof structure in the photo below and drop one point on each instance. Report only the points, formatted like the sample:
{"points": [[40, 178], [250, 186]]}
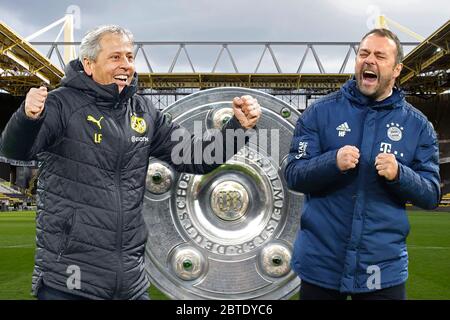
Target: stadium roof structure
{"points": [[22, 66], [426, 69]]}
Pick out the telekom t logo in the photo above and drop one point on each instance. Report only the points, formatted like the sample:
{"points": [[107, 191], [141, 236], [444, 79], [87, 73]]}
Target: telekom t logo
{"points": [[385, 147]]}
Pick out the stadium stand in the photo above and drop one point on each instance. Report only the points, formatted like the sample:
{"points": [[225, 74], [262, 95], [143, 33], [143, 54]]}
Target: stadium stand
{"points": [[14, 199]]}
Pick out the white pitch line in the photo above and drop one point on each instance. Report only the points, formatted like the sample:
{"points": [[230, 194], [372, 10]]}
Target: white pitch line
{"points": [[428, 248], [18, 246]]}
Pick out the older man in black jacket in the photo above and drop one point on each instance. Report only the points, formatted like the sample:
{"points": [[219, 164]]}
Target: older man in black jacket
{"points": [[93, 137]]}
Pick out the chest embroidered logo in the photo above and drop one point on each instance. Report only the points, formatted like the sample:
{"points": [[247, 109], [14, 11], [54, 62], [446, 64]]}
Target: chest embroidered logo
{"points": [[387, 148], [394, 131], [138, 124], [97, 136], [343, 129], [97, 122]]}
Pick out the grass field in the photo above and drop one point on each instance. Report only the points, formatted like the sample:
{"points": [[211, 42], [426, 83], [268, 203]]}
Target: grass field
{"points": [[428, 243]]}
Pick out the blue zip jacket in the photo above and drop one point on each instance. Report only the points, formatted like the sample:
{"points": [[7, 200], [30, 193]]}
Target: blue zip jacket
{"points": [[354, 224]]}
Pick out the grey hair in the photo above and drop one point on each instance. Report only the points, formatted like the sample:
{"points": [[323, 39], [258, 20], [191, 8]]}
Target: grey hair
{"points": [[90, 44]]}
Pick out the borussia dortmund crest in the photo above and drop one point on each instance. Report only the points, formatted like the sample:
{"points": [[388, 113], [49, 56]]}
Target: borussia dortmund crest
{"points": [[138, 124]]}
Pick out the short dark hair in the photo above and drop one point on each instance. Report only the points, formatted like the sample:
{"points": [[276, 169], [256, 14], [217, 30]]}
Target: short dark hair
{"points": [[390, 35]]}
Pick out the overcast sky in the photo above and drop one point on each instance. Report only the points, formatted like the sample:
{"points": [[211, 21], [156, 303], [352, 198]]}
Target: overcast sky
{"points": [[232, 20]]}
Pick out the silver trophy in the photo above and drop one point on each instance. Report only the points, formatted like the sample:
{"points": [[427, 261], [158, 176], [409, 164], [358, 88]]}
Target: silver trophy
{"points": [[227, 234]]}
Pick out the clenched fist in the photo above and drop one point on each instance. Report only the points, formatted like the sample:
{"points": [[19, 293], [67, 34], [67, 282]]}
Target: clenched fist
{"points": [[34, 102], [347, 158], [247, 111], [387, 166]]}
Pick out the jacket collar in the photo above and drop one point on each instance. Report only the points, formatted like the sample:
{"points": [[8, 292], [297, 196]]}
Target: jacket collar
{"points": [[351, 92], [105, 95]]}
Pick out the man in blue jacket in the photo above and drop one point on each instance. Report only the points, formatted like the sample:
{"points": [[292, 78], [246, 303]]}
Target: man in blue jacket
{"points": [[93, 137], [358, 155]]}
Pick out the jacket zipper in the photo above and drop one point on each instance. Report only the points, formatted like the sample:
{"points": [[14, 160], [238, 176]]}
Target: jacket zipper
{"points": [[363, 217], [67, 231], [118, 290]]}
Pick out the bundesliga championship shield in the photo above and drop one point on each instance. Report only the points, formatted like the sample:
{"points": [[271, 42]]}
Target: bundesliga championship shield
{"points": [[227, 234]]}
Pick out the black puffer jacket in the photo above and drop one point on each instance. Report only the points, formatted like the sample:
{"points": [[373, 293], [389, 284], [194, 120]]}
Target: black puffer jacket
{"points": [[92, 181]]}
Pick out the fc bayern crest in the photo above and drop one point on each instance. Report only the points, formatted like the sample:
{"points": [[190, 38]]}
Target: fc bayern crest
{"points": [[395, 131]]}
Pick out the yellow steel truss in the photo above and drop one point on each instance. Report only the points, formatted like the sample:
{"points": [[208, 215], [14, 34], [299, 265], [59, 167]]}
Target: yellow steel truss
{"points": [[22, 66]]}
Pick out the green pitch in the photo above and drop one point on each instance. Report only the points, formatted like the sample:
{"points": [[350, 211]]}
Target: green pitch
{"points": [[428, 246]]}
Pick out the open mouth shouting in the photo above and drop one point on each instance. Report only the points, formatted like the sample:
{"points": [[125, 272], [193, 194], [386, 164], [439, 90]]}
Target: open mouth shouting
{"points": [[369, 77]]}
